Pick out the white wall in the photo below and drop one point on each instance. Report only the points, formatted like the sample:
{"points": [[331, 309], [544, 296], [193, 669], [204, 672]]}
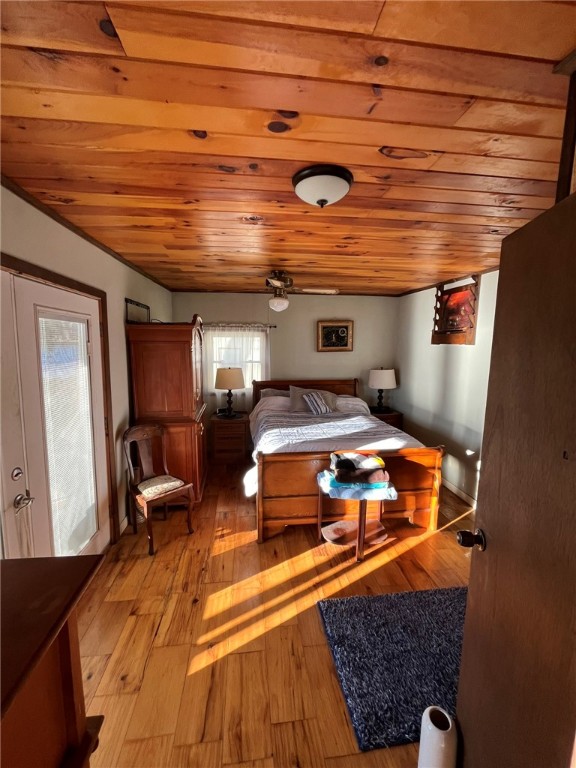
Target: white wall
{"points": [[32, 236], [442, 390], [293, 342]]}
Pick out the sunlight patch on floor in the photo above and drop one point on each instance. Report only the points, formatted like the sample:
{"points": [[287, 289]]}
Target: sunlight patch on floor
{"points": [[285, 600]]}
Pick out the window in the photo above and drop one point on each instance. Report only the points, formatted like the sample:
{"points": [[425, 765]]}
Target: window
{"points": [[235, 346]]}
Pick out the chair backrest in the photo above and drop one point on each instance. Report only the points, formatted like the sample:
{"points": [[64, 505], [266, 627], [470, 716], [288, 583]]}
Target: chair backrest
{"points": [[143, 436]]}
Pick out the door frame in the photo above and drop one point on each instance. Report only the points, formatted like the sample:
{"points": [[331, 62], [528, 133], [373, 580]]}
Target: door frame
{"points": [[34, 272]]}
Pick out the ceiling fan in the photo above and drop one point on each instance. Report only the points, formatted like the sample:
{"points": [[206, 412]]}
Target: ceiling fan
{"points": [[281, 282]]}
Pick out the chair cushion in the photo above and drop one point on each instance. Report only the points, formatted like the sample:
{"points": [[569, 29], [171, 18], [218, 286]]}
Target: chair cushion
{"points": [[156, 486]]}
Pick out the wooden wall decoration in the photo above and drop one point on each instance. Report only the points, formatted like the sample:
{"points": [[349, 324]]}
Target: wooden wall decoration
{"points": [[455, 313]]}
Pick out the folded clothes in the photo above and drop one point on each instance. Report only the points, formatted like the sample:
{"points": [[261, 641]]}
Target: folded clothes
{"points": [[352, 460], [336, 490], [369, 476]]}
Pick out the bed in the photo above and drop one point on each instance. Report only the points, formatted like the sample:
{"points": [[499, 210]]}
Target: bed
{"points": [[287, 491]]}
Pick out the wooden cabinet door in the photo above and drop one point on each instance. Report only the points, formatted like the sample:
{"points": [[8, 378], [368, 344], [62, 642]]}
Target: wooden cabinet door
{"points": [[186, 453], [162, 380], [181, 451]]}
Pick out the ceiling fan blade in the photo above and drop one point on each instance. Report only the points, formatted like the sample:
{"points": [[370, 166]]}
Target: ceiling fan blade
{"points": [[320, 291], [273, 282], [279, 279]]}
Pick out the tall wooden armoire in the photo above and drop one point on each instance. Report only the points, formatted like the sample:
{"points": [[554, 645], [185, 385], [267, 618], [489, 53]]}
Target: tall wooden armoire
{"points": [[166, 370]]}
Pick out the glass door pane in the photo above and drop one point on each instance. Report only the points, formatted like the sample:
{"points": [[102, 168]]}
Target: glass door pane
{"points": [[65, 373]]}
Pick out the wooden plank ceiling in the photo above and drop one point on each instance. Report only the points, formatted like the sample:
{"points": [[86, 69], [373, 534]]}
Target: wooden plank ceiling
{"points": [[170, 131]]}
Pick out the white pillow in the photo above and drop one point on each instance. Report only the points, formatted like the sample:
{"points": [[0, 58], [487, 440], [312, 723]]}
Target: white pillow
{"points": [[348, 404], [275, 403], [274, 393]]}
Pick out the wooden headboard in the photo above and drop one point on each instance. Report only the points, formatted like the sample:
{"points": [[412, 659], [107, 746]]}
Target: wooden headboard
{"points": [[338, 386]]}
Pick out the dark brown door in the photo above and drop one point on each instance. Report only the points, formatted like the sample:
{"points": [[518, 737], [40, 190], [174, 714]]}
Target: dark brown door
{"points": [[517, 693]]}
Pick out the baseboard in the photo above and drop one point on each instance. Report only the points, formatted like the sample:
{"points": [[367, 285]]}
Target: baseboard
{"points": [[459, 492], [123, 525]]}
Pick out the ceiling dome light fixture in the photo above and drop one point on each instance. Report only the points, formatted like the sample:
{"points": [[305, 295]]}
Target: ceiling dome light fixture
{"points": [[279, 302], [322, 185]]}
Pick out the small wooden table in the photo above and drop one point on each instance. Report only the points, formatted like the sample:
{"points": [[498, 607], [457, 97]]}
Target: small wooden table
{"points": [[342, 531]]}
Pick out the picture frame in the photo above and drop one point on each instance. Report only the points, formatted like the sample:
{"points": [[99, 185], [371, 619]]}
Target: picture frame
{"points": [[455, 313], [137, 312], [335, 335]]}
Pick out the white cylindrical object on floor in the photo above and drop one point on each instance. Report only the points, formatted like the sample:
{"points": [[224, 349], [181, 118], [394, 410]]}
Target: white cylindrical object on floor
{"points": [[437, 740]]}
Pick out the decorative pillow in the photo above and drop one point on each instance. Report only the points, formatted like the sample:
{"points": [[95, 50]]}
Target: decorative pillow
{"points": [[297, 402], [156, 486], [274, 393], [316, 403]]}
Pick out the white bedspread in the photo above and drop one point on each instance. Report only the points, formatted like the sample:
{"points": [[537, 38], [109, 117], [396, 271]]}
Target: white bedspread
{"points": [[284, 432], [276, 429]]}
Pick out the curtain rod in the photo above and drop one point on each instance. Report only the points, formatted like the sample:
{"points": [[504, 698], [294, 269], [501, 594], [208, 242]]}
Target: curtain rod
{"points": [[238, 325]]}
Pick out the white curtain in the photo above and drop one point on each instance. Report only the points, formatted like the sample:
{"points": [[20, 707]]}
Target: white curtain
{"points": [[235, 346]]}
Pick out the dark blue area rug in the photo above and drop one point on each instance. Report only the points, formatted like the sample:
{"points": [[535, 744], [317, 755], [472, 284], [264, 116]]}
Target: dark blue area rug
{"points": [[395, 655]]}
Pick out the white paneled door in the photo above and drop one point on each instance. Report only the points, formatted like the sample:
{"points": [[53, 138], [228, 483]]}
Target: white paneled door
{"points": [[54, 474]]}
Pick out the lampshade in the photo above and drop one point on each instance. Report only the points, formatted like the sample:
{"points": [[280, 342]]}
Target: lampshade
{"points": [[229, 378], [322, 185], [278, 302], [382, 379]]}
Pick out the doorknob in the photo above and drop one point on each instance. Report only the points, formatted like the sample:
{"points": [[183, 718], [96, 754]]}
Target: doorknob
{"points": [[469, 539], [22, 500]]}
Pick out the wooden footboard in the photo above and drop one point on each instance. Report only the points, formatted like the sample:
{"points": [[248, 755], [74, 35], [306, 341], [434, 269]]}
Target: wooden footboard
{"points": [[288, 492]]}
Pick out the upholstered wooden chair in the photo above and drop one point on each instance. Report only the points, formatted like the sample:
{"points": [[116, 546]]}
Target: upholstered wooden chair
{"points": [[149, 487]]}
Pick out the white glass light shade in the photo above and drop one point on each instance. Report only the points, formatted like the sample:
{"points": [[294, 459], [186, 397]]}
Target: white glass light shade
{"points": [[229, 378], [322, 185], [319, 188], [382, 379], [278, 303]]}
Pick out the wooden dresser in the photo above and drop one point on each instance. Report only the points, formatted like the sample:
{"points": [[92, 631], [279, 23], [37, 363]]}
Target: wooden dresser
{"points": [[166, 373], [44, 721]]}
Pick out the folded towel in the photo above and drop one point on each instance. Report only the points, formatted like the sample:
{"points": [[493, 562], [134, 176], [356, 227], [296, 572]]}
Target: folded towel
{"points": [[376, 491]]}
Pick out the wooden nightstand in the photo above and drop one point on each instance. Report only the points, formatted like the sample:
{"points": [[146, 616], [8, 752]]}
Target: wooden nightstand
{"points": [[229, 438], [394, 418]]}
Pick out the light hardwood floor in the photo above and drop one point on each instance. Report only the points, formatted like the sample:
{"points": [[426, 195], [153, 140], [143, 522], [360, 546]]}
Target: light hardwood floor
{"points": [[211, 653]]}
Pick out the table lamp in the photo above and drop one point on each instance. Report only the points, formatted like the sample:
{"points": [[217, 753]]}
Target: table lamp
{"points": [[229, 378], [381, 379]]}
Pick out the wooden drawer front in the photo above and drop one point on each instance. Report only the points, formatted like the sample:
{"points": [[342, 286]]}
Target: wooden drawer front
{"points": [[229, 440], [230, 429], [229, 444], [394, 419]]}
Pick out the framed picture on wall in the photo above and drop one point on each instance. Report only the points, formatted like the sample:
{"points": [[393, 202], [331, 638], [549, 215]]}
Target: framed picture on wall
{"points": [[137, 312], [455, 313], [335, 335]]}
